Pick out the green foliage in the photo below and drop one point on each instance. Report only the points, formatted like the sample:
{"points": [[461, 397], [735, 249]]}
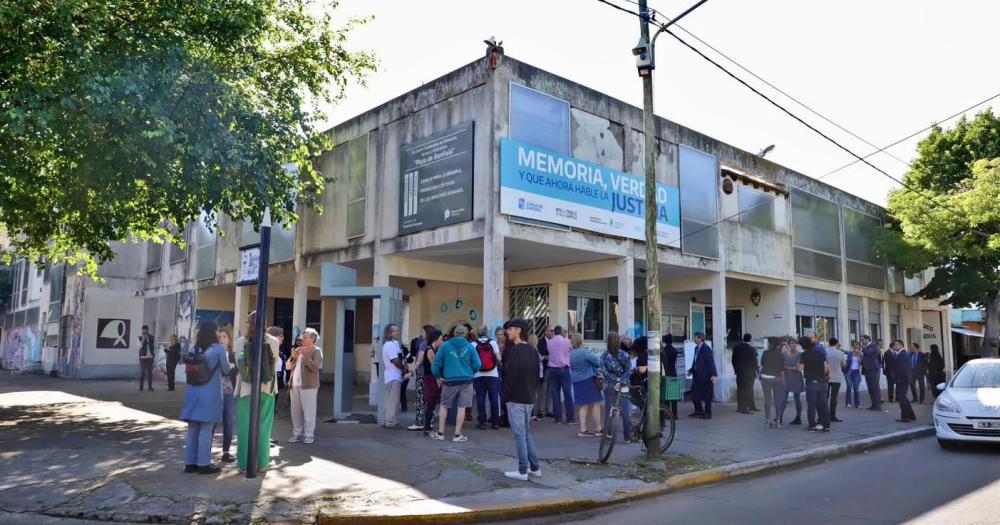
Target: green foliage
{"points": [[119, 118], [961, 168]]}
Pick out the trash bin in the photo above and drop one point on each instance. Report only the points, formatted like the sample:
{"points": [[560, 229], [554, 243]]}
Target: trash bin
{"points": [[672, 388]]}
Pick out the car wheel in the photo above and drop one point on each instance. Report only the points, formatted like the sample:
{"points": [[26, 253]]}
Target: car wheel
{"points": [[948, 444]]}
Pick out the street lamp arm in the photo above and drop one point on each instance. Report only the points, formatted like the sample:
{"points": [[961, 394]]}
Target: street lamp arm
{"points": [[673, 21]]}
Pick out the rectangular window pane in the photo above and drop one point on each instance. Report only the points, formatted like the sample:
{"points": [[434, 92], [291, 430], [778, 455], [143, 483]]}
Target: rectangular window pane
{"points": [[248, 236], [206, 247], [815, 223], [177, 254], [356, 219], [55, 282], [865, 275], [818, 265], [756, 208], [699, 186], [357, 168], [539, 119], [699, 239], [860, 233], [282, 243]]}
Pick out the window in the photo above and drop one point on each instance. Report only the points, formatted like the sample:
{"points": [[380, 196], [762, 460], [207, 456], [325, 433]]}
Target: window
{"points": [[864, 266], [894, 316], [178, 254], [816, 310], [854, 317], [530, 303], [357, 181], [206, 241], [875, 319], [699, 203], [816, 235], [56, 274], [282, 241], [154, 256], [756, 208], [539, 119], [586, 316]]}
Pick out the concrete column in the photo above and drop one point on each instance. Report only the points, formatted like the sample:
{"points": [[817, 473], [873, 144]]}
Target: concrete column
{"points": [[241, 307], [493, 279], [626, 295], [886, 335], [299, 297], [723, 387], [790, 290], [843, 326], [380, 278], [559, 304]]}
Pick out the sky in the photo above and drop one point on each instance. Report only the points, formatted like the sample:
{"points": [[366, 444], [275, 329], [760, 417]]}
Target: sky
{"points": [[881, 69]]}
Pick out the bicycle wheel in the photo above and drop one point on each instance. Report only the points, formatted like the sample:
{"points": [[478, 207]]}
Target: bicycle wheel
{"points": [[668, 422], [608, 436]]}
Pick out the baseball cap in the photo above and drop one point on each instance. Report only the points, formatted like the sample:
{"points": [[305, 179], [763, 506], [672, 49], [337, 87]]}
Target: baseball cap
{"points": [[460, 330], [517, 323]]}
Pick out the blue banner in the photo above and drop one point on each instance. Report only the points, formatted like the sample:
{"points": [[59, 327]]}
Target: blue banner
{"points": [[537, 183]]}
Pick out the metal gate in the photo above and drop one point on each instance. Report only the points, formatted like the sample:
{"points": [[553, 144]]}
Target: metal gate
{"points": [[531, 303]]}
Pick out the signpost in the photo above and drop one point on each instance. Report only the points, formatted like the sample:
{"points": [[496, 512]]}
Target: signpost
{"points": [[253, 270]]}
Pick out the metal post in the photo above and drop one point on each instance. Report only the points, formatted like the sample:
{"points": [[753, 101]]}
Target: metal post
{"points": [[259, 346], [653, 302]]}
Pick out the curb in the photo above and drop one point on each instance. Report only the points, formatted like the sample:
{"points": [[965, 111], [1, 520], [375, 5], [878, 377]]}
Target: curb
{"points": [[673, 484]]}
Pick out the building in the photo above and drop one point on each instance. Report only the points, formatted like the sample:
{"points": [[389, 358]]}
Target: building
{"points": [[492, 193], [967, 328]]}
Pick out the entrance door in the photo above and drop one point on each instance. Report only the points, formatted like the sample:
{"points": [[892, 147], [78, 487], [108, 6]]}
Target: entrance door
{"points": [[734, 325]]}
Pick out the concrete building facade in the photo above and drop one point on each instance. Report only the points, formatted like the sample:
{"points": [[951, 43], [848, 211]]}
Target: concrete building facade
{"points": [[493, 193]]}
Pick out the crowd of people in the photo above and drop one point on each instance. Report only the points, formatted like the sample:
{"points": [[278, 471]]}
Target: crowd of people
{"points": [[219, 377], [820, 369]]}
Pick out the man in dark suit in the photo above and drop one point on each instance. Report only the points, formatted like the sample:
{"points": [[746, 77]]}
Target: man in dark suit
{"points": [[903, 374], [871, 364], [704, 376], [889, 369], [745, 365], [920, 362], [147, 356]]}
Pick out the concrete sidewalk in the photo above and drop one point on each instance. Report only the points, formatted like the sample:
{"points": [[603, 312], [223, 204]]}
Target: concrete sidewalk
{"points": [[102, 450]]}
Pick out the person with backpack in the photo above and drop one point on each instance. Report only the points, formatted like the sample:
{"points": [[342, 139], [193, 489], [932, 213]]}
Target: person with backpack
{"points": [[245, 354], [487, 379], [455, 367], [204, 365], [305, 362]]}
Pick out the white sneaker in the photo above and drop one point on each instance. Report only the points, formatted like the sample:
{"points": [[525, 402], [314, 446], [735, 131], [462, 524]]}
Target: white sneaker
{"points": [[535, 473], [437, 436], [307, 441], [294, 439], [513, 474], [415, 427], [459, 438]]}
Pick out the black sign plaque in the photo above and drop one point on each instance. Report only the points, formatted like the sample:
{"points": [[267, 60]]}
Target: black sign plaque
{"points": [[435, 181]]}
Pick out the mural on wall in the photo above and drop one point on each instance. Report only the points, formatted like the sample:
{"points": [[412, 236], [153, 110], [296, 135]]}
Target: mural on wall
{"points": [[71, 356], [223, 318], [21, 347], [184, 322]]}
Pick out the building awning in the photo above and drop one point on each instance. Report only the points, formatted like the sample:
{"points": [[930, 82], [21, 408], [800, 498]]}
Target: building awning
{"points": [[963, 331]]}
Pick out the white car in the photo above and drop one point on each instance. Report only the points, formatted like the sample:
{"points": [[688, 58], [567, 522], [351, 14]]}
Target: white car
{"points": [[969, 407]]}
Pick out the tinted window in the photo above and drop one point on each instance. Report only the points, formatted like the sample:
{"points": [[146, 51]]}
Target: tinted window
{"points": [[860, 232], [538, 119], [756, 208], [699, 174], [815, 223]]}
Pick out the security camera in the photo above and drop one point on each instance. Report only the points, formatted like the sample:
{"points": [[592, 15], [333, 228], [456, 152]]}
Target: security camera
{"points": [[643, 57]]}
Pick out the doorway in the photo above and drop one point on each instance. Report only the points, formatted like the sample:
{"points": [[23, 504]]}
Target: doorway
{"points": [[734, 326]]}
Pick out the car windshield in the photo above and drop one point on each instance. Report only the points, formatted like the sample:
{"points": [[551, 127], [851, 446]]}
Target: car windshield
{"points": [[978, 376]]}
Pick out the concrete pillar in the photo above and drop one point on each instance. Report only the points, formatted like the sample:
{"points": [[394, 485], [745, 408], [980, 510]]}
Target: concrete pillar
{"points": [[886, 335], [843, 326], [380, 279], [241, 307], [626, 295], [559, 304], [299, 297], [790, 291], [723, 387], [493, 279]]}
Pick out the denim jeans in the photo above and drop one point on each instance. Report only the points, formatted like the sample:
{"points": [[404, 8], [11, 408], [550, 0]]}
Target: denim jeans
{"points": [[520, 420], [560, 381], [626, 410], [487, 387], [198, 450], [783, 402], [818, 403], [773, 390], [853, 385], [228, 421]]}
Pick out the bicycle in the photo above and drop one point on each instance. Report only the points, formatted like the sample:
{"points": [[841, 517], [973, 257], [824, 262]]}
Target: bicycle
{"points": [[668, 422]]}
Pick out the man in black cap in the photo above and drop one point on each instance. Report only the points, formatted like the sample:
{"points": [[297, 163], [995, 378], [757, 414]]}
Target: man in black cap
{"points": [[520, 376]]}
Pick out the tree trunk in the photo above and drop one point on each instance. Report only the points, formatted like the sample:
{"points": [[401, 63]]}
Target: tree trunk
{"points": [[991, 334]]}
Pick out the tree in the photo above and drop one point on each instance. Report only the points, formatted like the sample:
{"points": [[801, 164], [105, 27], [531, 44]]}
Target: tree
{"points": [[121, 118], [952, 224]]}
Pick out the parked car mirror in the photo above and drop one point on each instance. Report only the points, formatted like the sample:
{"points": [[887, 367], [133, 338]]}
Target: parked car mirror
{"points": [[942, 386]]}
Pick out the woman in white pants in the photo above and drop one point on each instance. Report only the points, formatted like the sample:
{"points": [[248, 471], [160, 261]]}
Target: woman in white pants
{"points": [[304, 365]]}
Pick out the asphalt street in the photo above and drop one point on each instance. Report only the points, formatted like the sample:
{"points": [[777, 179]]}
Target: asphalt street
{"points": [[914, 482]]}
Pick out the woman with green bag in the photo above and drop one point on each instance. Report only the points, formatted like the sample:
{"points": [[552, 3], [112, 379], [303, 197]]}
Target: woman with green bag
{"points": [[268, 390]]}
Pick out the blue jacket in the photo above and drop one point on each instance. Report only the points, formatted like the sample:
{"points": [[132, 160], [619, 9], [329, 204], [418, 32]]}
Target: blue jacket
{"points": [[902, 368], [583, 364], [456, 361], [204, 402], [871, 359], [704, 365]]}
